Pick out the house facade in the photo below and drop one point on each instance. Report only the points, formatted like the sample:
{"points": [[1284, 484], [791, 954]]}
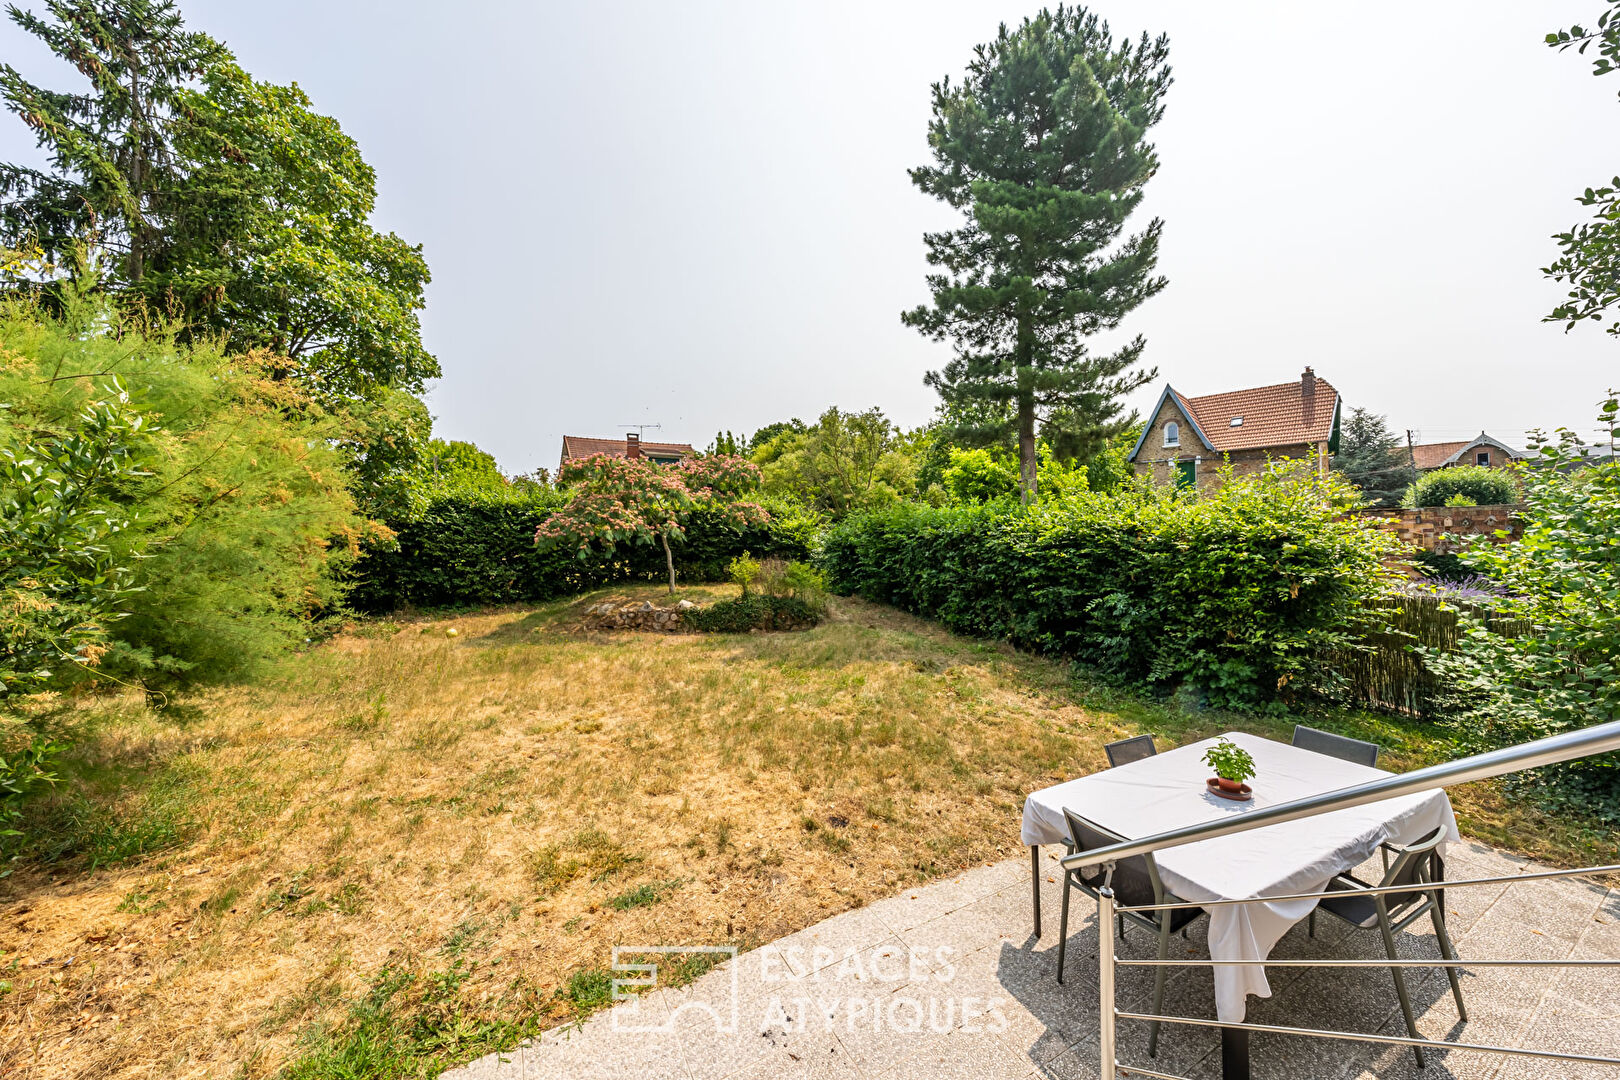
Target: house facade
{"points": [[1189, 438], [1485, 450], [575, 447]]}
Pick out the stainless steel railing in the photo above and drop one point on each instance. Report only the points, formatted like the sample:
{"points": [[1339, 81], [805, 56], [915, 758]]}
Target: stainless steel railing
{"points": [[1569, 746]]}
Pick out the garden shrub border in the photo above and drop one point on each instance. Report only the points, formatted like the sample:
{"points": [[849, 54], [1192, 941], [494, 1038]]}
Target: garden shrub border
{"points": [[474, 548], [1237, 593]]}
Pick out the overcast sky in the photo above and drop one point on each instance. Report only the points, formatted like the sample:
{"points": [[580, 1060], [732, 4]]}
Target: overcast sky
{"points": [[698, 215]]}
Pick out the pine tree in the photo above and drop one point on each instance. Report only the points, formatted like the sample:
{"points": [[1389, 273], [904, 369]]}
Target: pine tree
{"points": [[1042, 148]]}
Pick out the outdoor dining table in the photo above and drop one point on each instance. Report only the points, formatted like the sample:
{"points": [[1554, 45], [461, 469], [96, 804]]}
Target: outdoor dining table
{"points": [[1167, 791]]}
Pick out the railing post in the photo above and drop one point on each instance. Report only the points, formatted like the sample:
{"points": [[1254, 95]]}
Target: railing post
{"points": [[1105, 980]]}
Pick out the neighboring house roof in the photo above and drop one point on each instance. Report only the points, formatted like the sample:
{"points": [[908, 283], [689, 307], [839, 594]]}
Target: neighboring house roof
{"points": [[1440, 454], [1433, 455], [1282, 415], [575, 447]]}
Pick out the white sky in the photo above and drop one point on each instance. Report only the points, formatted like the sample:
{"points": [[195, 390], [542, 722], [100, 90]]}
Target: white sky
{"points": [[698, 215]]}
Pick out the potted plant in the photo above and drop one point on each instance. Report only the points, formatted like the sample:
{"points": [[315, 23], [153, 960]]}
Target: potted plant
{"points": [[1232, 765]]}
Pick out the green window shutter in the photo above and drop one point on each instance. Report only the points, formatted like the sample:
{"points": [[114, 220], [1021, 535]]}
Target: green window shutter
{"points": [[1186, 474]]}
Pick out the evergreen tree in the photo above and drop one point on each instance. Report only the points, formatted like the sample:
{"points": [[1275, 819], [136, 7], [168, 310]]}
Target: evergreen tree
{"points": [[1371, 457], [114, 172], [726, 443], [1042, 148]]}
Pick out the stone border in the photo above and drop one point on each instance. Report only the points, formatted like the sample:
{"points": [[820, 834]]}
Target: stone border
{"points": [[645, 616]]}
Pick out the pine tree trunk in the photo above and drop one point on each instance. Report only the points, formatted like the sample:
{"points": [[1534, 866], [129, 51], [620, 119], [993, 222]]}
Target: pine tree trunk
{"points": [[669, 560], [1028, 455]]}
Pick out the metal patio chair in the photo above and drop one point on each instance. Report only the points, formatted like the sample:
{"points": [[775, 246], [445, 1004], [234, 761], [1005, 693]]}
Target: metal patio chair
{"points": [[1125, 751], [1418, 865], [1136, 881], [1339, 746]]}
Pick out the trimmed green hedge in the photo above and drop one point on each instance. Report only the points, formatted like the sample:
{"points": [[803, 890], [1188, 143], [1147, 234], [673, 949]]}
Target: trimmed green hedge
{"points": [[1485, 486], [477, 548], [1235, 594], [756, 611]]}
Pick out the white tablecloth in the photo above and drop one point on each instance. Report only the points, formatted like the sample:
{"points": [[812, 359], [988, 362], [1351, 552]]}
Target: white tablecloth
{"points": [[1167, 791]]}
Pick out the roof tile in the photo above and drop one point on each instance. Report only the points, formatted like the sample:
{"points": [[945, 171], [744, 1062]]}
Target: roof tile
{"points": [[1281, 415], [578, 446]]}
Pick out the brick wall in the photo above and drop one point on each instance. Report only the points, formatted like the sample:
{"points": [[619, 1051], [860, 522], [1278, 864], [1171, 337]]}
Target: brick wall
{"points": [[1435, 528], [1428, 528]]}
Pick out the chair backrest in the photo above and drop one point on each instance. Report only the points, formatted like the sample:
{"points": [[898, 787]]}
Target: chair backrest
{"points": [[1128, 750], [1415, 864], [1136, 880], [1345, 749]]}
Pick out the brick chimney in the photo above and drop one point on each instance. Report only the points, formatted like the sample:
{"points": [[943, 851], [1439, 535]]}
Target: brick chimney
{"points": [[632, 446], [1307, 395]]}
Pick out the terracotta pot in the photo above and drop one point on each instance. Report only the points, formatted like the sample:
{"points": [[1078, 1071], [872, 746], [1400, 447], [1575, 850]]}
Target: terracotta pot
{"points": [[1234, 786]]}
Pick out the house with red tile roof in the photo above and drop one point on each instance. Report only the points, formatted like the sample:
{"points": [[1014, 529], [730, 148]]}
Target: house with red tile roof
{"points": [[1484, 450], [575, 447], [1188, 438]]}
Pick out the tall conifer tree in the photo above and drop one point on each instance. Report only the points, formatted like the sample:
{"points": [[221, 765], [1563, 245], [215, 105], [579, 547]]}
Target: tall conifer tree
{"points": [[114, 170], [1042, 147]]}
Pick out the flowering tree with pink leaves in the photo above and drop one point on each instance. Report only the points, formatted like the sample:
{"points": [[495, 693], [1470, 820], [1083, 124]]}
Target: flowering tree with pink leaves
{"points": [[620, 500]]}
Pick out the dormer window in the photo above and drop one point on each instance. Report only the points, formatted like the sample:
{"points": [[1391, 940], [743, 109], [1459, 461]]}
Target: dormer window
{"points": [[1237, 421], [1172, 434]]}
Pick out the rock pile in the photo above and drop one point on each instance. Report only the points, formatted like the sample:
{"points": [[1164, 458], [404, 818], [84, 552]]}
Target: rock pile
{"points": [[643, 616]]}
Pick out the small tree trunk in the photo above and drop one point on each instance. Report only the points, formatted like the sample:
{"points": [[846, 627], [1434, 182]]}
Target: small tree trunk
{"points": [[669, 560]]}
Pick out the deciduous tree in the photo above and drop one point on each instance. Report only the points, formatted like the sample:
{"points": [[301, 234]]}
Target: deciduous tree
{"points": [[1589, 253], [617, 500], [845, 461], [224, 200]]}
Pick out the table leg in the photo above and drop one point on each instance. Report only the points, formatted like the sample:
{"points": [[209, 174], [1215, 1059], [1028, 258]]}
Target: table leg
{"points": [[1035, 884], [1234, 1054]]}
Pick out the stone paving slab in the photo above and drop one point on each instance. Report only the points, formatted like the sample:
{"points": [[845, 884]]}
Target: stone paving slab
{"points": [[947, 981]]}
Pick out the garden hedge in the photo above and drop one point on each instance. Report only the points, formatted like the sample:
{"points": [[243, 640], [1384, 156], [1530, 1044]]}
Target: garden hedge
{"points": [[1234, 594], [1480, 485], [477, 547]]}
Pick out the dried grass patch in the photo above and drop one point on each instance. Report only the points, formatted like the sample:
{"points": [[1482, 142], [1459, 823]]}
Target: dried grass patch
{"points": [[442, 836]]}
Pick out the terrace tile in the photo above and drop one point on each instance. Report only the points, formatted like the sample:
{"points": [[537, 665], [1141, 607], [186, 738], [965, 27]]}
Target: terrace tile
{"points": [[947, 982]]}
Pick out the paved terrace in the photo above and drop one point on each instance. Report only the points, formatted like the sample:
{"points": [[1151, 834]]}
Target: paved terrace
{"points": [[945, 981]]}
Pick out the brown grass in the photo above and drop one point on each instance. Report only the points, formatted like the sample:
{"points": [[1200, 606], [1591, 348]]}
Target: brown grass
{"points": [[472, 816]]}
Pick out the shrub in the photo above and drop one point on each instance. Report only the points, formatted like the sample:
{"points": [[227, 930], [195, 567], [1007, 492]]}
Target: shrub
{"points": [[975, 476], [236, 518], [1485, 486], [1441, 566], [1560, 670], [1233, 593], [757, 611], [743, 570], [477, 547], [779, 577]]}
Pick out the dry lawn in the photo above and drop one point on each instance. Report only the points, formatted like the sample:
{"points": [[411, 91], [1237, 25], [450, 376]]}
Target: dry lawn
{"points": [[411, 846]]}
